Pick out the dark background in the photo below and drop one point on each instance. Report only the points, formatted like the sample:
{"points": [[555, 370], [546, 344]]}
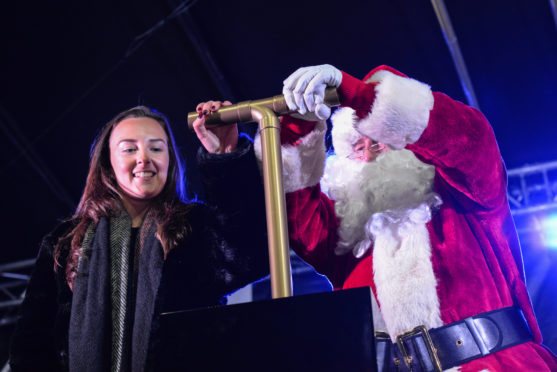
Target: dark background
{"points": [[67, 67], [64, 73]]}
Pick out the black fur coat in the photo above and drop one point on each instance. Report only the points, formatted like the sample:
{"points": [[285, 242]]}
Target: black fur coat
{"points": [[225, 250]]}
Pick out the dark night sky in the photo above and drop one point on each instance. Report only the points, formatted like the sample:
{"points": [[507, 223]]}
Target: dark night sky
{"points": [[64, 72]]}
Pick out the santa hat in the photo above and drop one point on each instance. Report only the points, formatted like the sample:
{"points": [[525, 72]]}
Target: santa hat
{"points": [[345, 121], [343, 133], [378, 73]]}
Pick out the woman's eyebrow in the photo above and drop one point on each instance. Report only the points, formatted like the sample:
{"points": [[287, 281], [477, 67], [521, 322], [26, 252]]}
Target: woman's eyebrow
{"points": [[134, 140]]}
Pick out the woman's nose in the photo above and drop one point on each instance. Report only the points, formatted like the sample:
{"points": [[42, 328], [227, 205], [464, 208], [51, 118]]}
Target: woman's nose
{"points": [[143, 157]]}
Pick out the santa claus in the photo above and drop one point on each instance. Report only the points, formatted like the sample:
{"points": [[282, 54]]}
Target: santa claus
{"points": [[413, 203]]}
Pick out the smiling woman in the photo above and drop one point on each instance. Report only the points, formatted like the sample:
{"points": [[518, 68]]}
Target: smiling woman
{"points": [[135, 249], [139, 158], [111, 182]]}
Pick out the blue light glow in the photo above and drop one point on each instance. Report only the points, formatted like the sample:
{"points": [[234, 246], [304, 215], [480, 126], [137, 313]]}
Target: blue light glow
{"points": [[550, 231]]}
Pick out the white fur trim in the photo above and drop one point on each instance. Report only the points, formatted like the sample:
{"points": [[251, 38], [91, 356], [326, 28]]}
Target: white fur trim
{"points": [[303, 164], [403, 273], [343, 132], [400, 112], [396, 181], [388, 202], [378, 322]]}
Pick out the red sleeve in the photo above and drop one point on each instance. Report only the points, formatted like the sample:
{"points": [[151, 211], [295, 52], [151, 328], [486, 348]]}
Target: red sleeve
{"points": [[460, 143], [292, 129], [356, 94], [313, 226]]}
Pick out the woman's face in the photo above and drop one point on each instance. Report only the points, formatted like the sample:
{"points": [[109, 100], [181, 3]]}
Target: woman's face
{"points": [[139, 157]]}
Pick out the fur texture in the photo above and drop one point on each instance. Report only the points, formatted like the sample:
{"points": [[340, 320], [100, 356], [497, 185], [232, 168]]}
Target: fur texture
{"points": [[400, 112], [378, 322], [388, 202], [404, 278], [303, 164], [396, 181], [343, 132]]}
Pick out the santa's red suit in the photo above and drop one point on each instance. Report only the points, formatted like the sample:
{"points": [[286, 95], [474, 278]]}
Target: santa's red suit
{"points": [[437, 249]]}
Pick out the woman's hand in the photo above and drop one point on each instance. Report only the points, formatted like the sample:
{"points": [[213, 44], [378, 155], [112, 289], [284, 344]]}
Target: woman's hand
{"points": [[217, 140]]}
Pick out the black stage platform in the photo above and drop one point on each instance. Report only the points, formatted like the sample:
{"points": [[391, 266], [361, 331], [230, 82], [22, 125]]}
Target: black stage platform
{"points": [[330, 331]]}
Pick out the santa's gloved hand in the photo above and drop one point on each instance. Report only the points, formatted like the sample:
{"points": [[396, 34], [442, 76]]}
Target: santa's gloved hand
{"points": [[304, 90]]}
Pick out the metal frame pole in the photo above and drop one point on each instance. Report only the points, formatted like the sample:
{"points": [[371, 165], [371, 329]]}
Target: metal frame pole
{"points": [[265, 112], [454, 48]]}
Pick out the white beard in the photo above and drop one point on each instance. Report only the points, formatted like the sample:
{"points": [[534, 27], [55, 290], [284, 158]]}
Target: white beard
{"points": [[388, 202], [395, 189]]}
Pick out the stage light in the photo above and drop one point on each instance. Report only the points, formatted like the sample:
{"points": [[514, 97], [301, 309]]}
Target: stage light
{"points": [[550, 231]]}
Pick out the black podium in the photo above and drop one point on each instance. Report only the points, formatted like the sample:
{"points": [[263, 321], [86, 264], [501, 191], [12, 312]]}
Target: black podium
{"points": [[330, 331]]}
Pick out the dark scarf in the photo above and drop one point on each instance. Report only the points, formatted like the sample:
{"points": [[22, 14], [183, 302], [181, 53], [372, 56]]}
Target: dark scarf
{"points": [[100, 336]]}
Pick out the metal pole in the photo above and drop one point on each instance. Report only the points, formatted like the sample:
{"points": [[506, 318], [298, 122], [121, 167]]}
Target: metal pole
{"points": [[241, 112], [454, 48], [17, 265], [264, 111], [275, 202], [553, 4]]}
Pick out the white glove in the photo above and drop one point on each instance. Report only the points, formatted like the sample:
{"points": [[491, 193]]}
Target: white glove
{"points": [[304, 90]]}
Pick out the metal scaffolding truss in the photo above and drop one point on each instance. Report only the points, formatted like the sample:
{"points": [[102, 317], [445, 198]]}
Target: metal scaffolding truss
{"points": [[533, 188], [13, 282], [532, 194]]}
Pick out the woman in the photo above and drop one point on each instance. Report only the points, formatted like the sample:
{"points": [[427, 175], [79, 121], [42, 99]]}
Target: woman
{"points": [[135, 249]]}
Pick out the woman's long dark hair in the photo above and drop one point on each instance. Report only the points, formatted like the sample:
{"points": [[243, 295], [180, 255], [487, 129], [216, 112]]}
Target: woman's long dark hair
{"points": [[102, 196]]}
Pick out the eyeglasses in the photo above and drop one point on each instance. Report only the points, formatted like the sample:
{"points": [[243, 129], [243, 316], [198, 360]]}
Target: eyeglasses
{"points": [[359, 151]]}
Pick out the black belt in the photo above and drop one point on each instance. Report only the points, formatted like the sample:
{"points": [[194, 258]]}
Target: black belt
{"points": [[453, 344]]}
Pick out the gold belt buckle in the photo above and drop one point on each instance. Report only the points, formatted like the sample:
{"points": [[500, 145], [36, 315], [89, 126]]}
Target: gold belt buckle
{"points": [[432, 351]]}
